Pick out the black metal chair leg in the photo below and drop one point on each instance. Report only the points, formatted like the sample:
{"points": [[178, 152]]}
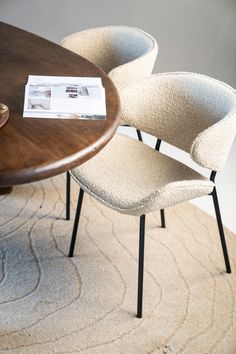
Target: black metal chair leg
{"points": [[162, 212], [139, 135], [163, 221], [221, 231], [68, 195], [141, 265], [158, 144], [76, 222]]}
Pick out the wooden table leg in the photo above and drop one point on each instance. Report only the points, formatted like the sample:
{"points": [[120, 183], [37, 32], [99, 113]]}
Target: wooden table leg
{"points": [[5, 190]]}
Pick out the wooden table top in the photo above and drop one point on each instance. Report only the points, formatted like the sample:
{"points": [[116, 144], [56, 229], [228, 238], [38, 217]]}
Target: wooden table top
{"points": [[33, 148]]}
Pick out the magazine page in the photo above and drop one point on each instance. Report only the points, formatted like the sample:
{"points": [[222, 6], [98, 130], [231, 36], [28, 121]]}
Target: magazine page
{"points": [[64, 97]]}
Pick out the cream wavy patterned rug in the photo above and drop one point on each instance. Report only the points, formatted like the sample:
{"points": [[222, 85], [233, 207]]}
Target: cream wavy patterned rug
{"points": [[52, 304]]}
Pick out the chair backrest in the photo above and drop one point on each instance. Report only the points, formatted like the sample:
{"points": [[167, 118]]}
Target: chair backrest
{"points": [[125, 53], [190, 111]]}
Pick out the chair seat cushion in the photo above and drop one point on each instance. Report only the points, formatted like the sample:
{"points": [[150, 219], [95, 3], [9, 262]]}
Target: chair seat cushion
{"points": [[132, 178]]}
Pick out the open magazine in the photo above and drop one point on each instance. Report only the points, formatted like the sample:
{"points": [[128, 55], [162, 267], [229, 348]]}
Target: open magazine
{"points": [[64, 97]]}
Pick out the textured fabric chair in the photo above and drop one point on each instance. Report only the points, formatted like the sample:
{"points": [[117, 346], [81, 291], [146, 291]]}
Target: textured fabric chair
{"points": [[190, 111], [124, 53]]}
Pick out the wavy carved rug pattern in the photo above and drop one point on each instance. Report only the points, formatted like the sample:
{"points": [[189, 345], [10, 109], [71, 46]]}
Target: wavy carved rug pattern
{"points": [[50, 303]]}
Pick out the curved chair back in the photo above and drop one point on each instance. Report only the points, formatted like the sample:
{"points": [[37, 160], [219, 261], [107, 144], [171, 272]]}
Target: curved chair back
{"points": [[125, 53], [190, 111]]}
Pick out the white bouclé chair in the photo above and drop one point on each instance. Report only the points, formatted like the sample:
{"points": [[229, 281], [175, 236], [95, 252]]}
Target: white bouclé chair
{"points": [[124, 53], [190, 111]]}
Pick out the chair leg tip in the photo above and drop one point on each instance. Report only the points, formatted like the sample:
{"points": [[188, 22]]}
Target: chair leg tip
{"points": [[70, 255], [139, 316]]}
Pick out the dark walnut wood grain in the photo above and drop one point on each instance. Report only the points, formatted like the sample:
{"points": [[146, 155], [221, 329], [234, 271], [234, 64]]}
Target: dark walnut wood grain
{"points": [[33, 149]]}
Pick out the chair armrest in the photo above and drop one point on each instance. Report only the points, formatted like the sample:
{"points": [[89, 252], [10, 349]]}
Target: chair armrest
{"points": [[210, 148]]}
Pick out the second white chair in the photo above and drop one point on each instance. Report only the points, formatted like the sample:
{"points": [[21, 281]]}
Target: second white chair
{"points": [[124, 53]]}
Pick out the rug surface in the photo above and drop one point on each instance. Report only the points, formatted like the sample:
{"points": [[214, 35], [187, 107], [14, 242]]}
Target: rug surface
{"points": [[50, 303]]}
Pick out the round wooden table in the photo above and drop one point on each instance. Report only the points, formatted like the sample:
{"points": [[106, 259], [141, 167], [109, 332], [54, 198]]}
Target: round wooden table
{"points": [[32, 148]]}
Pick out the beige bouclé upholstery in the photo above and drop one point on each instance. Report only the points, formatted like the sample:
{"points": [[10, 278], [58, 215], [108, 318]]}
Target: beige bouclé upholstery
{"points": [[135, 179], [190, 111], [124, 53]]}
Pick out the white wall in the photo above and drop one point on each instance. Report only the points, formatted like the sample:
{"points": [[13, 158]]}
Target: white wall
{"points": [[193, 35]]}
